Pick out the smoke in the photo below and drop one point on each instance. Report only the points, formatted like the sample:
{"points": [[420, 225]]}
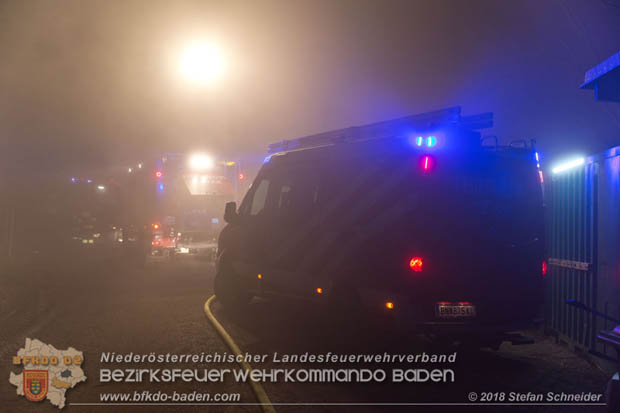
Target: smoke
{"points": [[93, 84]]}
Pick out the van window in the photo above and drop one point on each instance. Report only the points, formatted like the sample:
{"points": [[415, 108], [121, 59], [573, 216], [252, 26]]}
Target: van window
{"points": [[297, 192], [259, 197], [284, 201]]}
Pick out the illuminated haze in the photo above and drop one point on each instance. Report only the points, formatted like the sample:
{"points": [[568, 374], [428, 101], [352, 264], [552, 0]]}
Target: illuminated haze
{"points": [[89, 84]]}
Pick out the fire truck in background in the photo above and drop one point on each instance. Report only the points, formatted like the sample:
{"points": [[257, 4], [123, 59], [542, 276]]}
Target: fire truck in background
{"points": [[190, 192]]}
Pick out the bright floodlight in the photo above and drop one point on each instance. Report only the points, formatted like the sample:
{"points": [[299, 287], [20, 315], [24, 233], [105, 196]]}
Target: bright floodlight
{"points": [[199, 162], [202, 63], [568, 165]]}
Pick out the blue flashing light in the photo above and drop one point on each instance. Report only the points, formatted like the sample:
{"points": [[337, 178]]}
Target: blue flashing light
{"points": [[215, 220], [419, 140], [431, 141], [90, 181], [267, 159], [160, 187], [73, 180]]}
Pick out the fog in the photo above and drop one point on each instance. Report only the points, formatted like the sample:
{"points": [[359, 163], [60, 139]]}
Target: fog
{"points": [[86, 85]]}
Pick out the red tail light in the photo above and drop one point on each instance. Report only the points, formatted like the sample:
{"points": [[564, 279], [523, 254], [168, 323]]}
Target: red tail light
{"points": [[544, 268], [416, 264]]}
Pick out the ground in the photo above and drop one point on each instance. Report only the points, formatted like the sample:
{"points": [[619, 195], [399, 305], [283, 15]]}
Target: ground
{"points": [[98, 305]]}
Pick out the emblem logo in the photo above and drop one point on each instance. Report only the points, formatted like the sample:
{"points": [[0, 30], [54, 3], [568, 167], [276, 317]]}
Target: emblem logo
{"points": [[36, 384]]}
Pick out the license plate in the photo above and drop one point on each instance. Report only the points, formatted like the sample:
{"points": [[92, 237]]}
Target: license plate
{"points": [[455, 310]]}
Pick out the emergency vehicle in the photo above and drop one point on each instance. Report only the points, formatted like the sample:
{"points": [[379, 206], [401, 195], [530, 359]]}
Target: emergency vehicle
{"points": [[413, 219], [190, 193]]}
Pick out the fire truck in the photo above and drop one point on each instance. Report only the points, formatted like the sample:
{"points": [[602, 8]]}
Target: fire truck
{"points": [[190, 192]]}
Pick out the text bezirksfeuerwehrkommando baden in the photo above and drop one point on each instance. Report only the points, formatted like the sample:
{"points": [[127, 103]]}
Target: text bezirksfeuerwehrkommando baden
{"points": [[301, 375]]}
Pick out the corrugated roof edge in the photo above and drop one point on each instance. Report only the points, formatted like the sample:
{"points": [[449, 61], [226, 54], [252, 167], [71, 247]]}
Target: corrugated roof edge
{"points": [[604, 68], [606, 154]]}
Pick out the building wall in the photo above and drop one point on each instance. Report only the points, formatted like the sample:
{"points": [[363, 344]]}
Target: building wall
{"points": [[609, 236], [583, 235]]}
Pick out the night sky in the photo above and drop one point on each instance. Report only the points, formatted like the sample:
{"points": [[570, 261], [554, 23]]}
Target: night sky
{"points": [[90, 84]]}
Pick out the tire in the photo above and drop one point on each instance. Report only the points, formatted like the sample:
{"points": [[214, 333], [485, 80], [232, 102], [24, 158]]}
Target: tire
{"points": [[228, 289]]}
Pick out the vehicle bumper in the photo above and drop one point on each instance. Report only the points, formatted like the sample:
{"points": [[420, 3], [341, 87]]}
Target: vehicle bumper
{"points": [[195, 252], [418, 315]]}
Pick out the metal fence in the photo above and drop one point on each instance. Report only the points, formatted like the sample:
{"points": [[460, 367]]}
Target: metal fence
{"points": [[572, 208], [583, 283]]}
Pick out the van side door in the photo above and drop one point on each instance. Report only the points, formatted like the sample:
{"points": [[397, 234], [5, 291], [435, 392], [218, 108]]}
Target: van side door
{"points": [[296, 227]]}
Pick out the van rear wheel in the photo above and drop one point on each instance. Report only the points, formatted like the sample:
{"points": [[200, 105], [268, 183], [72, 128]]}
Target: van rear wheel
{"points": [[228, 289]]}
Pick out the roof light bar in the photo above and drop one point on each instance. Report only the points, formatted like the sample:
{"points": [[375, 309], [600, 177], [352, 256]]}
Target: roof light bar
{"points": [[418, 140], [391, 128], [568, 165]]}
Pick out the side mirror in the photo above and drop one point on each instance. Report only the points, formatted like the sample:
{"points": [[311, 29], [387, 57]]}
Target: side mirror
{"points": [[230, 212]]}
